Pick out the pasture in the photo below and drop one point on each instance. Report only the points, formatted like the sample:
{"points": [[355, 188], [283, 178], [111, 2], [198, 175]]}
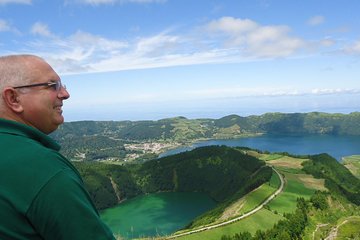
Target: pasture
{"points": [[297, 184], [353, 164]]}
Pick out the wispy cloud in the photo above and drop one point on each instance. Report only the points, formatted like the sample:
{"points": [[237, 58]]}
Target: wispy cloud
{"points": [[41, 29], [6, 27], [76, 53], [235, 92], [100, 2], [316, 20], [327, 42], [228, 93], [255, 40], [353, 49], [225, 94], [223, 40], [4, 2]]}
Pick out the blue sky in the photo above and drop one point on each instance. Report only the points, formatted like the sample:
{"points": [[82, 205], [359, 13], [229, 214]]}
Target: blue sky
{"points": [[153, 59]]}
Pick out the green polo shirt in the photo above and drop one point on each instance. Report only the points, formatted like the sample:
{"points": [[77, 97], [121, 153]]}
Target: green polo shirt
{"points": [[42, 195]]}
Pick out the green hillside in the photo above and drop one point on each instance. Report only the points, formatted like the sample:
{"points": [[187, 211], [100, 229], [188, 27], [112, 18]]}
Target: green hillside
{"points": [[269, 123], [353, 164], [305, 209], [109, 140], [218, 171], [229, 175], [337, 177]]}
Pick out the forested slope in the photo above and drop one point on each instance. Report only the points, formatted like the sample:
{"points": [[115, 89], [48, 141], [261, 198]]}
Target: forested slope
{"points": [[104, 140], [217, 170], [180, 128], [338, 178]]}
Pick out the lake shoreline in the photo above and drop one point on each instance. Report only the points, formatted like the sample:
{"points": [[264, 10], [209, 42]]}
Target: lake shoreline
{"points": [[337, 146]]}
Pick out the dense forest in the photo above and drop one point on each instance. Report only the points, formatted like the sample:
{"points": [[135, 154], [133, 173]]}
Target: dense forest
{"points": [[217, 170]]}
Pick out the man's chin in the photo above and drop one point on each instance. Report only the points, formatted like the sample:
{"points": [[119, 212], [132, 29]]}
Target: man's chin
{"points": [[59, 120]]}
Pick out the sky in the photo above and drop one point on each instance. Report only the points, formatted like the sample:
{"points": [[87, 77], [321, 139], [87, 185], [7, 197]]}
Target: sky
{"points": [[155, 59]]}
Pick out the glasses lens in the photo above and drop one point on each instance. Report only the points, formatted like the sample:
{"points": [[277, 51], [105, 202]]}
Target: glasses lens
{"points": [[57, 85]]}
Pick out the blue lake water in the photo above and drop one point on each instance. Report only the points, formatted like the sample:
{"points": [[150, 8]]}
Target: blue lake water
{"points": [[336, 146]]}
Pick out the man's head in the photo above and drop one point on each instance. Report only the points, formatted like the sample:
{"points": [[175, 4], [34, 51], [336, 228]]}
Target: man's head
{"points": [[31, 92]]}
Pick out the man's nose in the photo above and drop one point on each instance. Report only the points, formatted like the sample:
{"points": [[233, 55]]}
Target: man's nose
{"points": [[63, 93]]}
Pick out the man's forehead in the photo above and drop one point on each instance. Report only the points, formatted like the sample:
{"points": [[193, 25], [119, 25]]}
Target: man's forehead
{"points": [[41, 69]]}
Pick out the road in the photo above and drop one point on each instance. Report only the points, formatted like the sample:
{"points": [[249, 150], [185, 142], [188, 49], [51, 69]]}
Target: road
{"points": [[279, 190]]}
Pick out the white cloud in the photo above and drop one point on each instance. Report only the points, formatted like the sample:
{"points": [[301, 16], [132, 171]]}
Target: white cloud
{"points": [[327, 42], [76, 53], [88, 40], [4, 2], [353, 49], [158, 45], [238, 92], [226, 40], [99, 2], [232, 25], [41, 29], [326, 91], [254, 39], [316, 20], [6, 27], [227, 93], [144, 1]]}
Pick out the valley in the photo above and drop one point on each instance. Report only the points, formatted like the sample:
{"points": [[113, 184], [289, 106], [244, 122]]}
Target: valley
{"points": [[250, 213], [123, 160], [124, 142]]}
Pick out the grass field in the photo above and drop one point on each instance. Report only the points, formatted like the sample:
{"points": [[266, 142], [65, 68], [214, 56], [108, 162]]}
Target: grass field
{"points": [[287, 162], [270, 157], [349, 229], [294, 188], [284, 203], [297, 185], [251, 200], [262, 220], [353, 164]]}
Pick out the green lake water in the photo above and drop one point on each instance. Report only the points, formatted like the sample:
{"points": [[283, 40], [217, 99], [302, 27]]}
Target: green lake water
{"points": [[156, 214]]}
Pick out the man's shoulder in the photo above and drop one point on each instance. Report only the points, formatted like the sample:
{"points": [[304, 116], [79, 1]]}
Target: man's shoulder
{"points": [[22, 133]]}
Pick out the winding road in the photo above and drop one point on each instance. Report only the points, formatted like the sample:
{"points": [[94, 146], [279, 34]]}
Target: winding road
{"points": [[279, 190]]}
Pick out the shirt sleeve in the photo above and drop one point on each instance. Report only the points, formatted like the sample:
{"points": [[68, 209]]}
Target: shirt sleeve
{"points": [[63, 210]]}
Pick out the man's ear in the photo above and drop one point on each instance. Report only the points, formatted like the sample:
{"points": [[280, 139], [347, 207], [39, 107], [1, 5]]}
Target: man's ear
{"points": [[12, 99]]}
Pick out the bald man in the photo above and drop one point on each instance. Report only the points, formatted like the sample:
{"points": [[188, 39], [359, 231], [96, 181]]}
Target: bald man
{"points": [[42, 195]]}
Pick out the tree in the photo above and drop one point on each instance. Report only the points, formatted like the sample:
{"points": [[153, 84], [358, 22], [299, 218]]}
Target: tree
{"points": [[319, 200], [243, 236]]}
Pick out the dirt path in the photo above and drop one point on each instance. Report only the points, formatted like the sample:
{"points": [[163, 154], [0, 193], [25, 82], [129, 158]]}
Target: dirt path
{"points": [[333, 233], [317, 228], [279, 190]]}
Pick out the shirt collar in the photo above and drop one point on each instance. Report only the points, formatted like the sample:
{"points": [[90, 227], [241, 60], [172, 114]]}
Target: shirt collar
{"points": [[16, 128]]}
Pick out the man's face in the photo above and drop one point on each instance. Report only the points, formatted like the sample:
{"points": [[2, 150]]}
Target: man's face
{"points": [[42, 105]]}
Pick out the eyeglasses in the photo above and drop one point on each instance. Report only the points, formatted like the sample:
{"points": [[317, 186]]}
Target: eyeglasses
{"points": [[56, 85]]}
